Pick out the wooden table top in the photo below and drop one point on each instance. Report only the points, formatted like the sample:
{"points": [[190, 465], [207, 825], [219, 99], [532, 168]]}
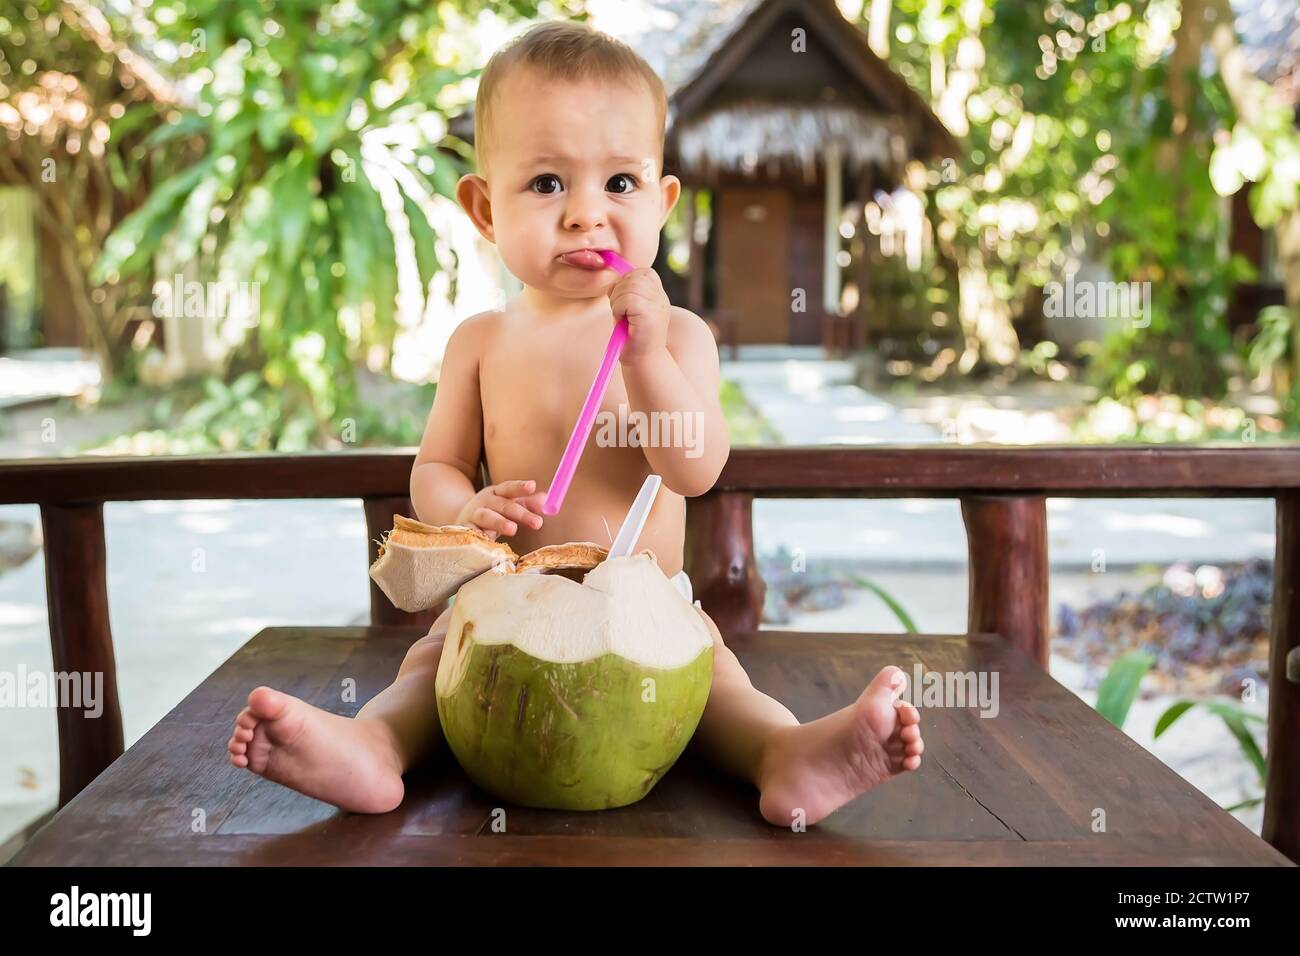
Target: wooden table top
{"points": [[1023, 787]]}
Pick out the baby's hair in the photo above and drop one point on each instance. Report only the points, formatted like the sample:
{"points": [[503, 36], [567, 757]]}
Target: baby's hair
{"points": [[565, 50]]}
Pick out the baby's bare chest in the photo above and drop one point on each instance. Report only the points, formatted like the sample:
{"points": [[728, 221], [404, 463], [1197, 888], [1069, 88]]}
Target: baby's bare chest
{"points": [[532, 394]]}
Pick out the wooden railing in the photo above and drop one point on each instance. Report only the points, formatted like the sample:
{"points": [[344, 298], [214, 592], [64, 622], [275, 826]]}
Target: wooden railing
{"points": [[1002, 491]]}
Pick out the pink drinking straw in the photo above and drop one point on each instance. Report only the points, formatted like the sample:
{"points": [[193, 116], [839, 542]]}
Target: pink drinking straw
{"points": [[581, 431]]}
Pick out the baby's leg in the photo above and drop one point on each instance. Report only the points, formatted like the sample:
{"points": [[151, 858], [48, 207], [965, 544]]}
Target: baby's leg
{"points": [[804, 772], [353, 763]]}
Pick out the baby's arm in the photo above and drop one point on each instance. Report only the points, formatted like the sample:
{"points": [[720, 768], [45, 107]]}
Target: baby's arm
{"points": [[683, 377], [442, 479]]}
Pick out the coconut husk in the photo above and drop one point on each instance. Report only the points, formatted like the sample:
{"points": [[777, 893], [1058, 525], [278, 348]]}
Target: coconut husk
{"points": [[421, 565], [576, 555]]}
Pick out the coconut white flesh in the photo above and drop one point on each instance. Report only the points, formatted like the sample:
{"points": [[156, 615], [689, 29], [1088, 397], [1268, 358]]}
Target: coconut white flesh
{"points": [[417, 578], [624, 606]]}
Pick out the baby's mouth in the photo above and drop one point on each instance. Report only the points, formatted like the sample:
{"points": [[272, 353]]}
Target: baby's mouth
{"points": [[584, 259]]}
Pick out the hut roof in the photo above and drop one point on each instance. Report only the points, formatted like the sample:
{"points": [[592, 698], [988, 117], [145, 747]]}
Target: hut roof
{"points": [[700, 48], [747, 135], [846, 95]]}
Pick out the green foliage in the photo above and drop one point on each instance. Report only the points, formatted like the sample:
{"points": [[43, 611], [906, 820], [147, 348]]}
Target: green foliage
{"points": [[1272, 352], [1164, 225], [1072, 154], [209, 416], [1040, 359], [1236, 719], [1119, 688], [1263, 149], [745, 425], [1157, 419], [891, 602], [1268, 350], [320, 128]]}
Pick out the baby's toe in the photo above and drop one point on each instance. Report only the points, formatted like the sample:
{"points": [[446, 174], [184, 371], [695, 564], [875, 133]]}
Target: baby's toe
{"points": [[909, 733], [888, 683], [266, 703], [907, 714], [911, 763]]}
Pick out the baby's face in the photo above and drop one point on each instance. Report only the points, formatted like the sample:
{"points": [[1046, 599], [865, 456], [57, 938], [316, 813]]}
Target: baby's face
{"points": [[572, 166]]}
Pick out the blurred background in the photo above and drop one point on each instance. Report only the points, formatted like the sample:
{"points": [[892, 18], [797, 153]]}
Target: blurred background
{"points": [[229, 225]]}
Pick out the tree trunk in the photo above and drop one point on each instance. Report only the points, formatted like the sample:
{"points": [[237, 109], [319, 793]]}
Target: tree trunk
{"points": [[985, 317], [1184, 79]]}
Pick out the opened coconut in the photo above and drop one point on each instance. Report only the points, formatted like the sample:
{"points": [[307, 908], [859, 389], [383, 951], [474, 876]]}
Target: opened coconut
{"points": [[568, 679]]}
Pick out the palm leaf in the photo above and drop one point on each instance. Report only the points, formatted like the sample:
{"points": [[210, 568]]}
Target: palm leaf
{"points": [[291, 200], [425, 241], [904, 618], [132, 244], [191, 124], [383, 274], [1172, 714], [1119, 688]]}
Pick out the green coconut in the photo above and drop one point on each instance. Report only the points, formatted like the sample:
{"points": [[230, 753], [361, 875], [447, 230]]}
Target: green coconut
{"points": [[567, 680]]}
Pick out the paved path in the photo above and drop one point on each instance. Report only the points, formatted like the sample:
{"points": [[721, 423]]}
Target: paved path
{"points": [[42, 374], [813, 402]]}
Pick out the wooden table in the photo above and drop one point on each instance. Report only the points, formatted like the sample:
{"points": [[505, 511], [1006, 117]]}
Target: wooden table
{"points": [[1020, 788]]}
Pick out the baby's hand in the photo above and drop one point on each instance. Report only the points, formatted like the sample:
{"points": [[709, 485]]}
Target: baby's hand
{"points": [[640, 294], [497, 508]]}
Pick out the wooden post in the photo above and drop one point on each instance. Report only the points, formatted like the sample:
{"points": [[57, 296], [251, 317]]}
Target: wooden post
{"points": [[379, 518], [1282, 794], [720, 560], [1007, 541], [834, 206], [76, 588]]}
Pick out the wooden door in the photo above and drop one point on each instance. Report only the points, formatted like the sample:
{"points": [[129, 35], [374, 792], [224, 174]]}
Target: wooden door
{"points": [[754, 262], [807, 253]]}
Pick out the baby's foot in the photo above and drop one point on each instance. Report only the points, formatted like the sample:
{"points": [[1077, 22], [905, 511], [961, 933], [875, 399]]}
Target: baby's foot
{"points": [[811, 770], [349, 763]]}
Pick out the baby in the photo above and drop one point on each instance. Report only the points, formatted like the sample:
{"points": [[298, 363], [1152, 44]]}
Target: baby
{"points": [[569, 128]]}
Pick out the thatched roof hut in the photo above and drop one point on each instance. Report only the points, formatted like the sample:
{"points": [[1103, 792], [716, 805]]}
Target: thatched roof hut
{"points": [[790, 79], [779, 116], [785, 118]]}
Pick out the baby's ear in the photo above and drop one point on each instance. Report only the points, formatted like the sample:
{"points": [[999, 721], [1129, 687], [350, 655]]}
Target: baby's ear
{"points": [[472, 194], [670, 190]]}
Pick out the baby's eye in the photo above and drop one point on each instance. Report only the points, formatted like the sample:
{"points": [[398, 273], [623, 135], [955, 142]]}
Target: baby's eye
{"points": [[545, 184], [621, 183]]}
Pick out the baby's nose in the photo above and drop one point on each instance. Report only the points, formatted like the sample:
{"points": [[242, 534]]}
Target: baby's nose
{"points": [[584, 212]]}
